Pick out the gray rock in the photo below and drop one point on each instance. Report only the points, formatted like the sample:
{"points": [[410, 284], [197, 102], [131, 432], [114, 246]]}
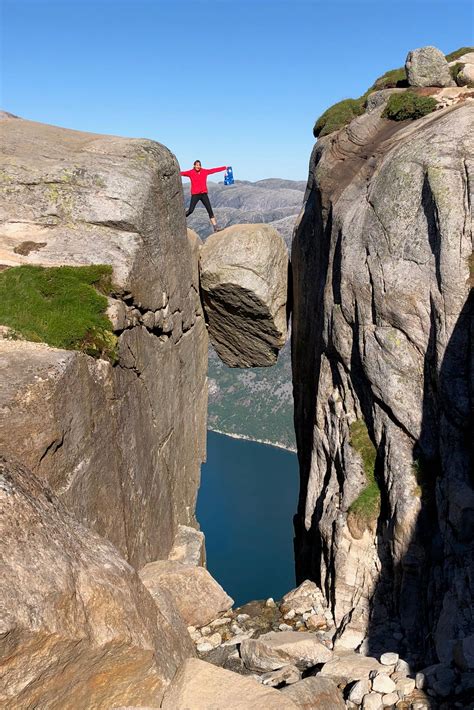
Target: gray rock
{"points": [[315, 693], [120, 445], [427, 66], [280, 648], [198, 596], [465, 76], [76, 620], [244, 273], [464, 653], [381, 277]]}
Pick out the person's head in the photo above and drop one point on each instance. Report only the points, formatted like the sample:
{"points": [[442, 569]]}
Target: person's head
{"points": [[197, 165]]}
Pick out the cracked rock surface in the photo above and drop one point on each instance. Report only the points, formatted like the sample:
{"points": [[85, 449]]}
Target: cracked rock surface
{"points": [[122, 445], [382, 335]]}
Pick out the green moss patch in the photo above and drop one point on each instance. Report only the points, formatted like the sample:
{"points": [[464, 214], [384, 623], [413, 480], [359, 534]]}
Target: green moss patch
{"points": [[395, 78], [62, 306], [338, 116], [408, 105], [458, 53], [364, 511]]}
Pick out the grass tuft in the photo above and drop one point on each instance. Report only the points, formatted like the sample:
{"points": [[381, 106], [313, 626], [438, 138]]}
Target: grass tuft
{"points": [[408, 105], [458, 53], [395, 78], [62, 306], [338, 116], [366, 507]]}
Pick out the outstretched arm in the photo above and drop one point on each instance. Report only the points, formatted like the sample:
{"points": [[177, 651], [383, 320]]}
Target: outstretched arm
{"points": [[216, 170], [185, 173]]}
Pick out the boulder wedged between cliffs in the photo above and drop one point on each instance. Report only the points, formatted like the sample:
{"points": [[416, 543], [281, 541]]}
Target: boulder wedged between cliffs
{"points": [[244, 284]]}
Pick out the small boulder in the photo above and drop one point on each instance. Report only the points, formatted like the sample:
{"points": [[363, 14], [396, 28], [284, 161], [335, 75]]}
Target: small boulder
{"points": [[315, 693], [382, 683], [347, 667], [244, 282], [198, 596], [280, 648], [427, 66], [202, 686]]}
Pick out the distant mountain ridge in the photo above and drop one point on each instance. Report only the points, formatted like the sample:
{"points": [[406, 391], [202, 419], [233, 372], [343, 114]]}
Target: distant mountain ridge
{"points": [[270, 201], [256, 403]]}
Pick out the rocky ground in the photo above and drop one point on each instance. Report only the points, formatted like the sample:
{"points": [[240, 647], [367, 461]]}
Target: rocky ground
{"points": [[292, 646]]}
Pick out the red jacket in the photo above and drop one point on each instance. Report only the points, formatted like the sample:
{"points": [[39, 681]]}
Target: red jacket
{"points": [[199, 179]]}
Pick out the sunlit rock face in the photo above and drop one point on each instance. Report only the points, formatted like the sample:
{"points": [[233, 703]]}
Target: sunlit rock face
{"points": [[120, 444], [382, 372], [78, 628], [244, 282]]}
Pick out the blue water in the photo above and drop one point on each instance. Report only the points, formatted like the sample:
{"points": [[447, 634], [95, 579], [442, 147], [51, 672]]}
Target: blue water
{"points": [[245, 507]]}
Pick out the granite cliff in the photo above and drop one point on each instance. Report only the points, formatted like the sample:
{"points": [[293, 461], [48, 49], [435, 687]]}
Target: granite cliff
{"points": [[382, 263]]}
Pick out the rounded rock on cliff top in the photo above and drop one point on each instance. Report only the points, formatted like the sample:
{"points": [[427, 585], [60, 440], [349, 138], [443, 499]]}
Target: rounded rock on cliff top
{"points": [[244, 281], [427, 66]]}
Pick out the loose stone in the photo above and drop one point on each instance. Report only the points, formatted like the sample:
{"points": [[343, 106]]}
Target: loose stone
{"points": [[390, 699], [372, 701], [285, 627], [242, 617], [287, 674], [361, 688], [383, 684], [270, 602], [405, 686], [402, 667], [204, 647], [389, 659], [420, 681]]}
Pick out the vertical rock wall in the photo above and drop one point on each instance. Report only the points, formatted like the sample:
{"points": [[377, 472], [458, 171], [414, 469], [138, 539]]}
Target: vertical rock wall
{"points": [[121, 445], [383, 379]]}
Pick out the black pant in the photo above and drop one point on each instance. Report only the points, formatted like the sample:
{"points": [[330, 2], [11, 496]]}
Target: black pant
{"points": [[204, 198]]}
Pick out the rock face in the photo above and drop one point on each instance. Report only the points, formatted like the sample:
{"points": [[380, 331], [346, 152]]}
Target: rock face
{"points": [[202, 686], [427, 66], [382, 368], [122, 445], [78, 629], [244, 281]]}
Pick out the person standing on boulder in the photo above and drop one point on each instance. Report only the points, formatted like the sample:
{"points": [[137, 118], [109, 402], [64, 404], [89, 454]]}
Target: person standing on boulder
{"points": [[198, 176]]}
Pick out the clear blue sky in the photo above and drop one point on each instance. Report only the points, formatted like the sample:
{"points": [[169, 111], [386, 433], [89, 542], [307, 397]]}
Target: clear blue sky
{"points": [[235, 82]]}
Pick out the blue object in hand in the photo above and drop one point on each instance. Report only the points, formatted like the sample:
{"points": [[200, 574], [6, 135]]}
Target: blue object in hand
{"points": [[229, 176]]}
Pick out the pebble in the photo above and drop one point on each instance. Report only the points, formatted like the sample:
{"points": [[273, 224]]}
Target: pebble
{"points": [[221, 622], [285, 627], [389, 659], [383, 684], [405, 686], [205, 630], [420, 681], [204, 647], [402, 667], [290, 615], [390, 699], [372, 701], [358, 690], [270, 602], [242, 617], [236, 629]]}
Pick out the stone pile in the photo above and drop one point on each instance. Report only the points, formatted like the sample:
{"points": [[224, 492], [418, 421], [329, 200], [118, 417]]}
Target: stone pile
{"points": [[289, 646]]}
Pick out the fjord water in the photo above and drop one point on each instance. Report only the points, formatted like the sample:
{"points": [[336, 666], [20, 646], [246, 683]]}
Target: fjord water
{"points": [[245, 507]]}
